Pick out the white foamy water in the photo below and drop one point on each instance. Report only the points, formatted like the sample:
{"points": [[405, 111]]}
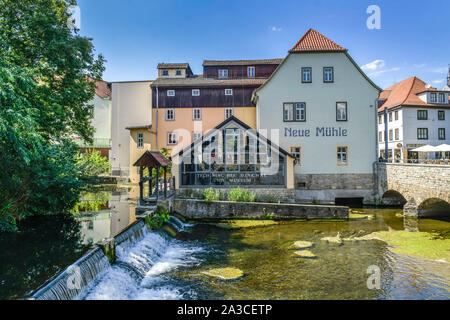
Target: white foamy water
{"points": [[140, 270]]}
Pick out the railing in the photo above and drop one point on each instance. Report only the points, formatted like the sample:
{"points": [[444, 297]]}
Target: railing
{"points": [[161, 189], [445, 162]]}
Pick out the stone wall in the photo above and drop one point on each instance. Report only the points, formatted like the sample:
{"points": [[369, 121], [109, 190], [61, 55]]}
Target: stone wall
{"points": [[262, 194], [326, 187], [198, 209], [417, 183]]}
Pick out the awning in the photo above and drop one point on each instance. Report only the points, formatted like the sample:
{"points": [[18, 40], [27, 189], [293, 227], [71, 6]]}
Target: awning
{"points": [[443, 148], [426, 148]]}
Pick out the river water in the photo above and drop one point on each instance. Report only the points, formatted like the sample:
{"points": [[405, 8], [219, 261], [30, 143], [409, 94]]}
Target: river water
{"points": [[161, 267]]}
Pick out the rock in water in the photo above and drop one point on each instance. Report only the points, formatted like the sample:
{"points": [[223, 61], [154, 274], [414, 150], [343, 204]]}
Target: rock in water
{"points": [[305, 254], [302, 244], [336, 239], [224, 273]]}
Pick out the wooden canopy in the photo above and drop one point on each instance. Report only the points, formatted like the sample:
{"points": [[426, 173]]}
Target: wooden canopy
{"points": [[152, 159]]}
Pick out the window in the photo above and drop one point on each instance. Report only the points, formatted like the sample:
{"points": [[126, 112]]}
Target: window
{"points": [[178, 73], [196, 114], [391, 135], [223, 73], [397, 134], [296, 152], [228, 113], [228, 92], [441, 133], [165, 73], [251, 72], [396, 115], [172, 138], [433, 97], [342, 156], [380, 119], [441, 115], [422, 114], [170, 114], [171, 93], [341, 111], [422, 133], [441, 97], [195, 92], [380, 136], [306, 75], [328, 75], [390, 116], [196, 136], [140, 140], [294, 111]]}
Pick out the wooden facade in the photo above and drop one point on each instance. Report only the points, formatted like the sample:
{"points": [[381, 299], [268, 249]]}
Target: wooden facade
{"points": [[236, 72]]}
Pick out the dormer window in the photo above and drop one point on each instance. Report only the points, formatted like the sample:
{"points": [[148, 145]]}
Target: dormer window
{"points": [[171, 93], [195, 92], [433, 97], [165, 73], [228, 92], [223, 73], [441, 97], [328, 75], [251, 72], [178, 72]]}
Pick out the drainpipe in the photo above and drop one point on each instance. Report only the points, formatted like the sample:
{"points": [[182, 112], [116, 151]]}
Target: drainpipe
{"points": [[375, 164], [157, 109]]}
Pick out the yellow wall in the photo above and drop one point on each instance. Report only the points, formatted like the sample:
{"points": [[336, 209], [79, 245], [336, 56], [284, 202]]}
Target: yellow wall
{"points": [[136, 153], [290, 173], [211, 117]]}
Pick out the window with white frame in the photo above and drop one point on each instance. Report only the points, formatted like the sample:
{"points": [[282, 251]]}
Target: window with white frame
{"points": [[294, 111], [441, 115], [170, 114], [296, 152], [441, 97], [196, 135], [396, 115], [390, 116], [178, 73], [223, 73], [341, 111], [171, 93], [165, 73], [391, 135], [380, 136], [172, 138], [342, 155], [422, 133], [228, 113], [433, 97], [250, 72], [228, 92], [140, 140], [380, 120], [196, 114], [441, 133], [328, 74], [397, 134], [195, 92], [306, 75]]}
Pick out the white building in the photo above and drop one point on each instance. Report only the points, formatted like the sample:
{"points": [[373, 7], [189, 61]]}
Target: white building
{"points": [[417, 115], [324, 108]]}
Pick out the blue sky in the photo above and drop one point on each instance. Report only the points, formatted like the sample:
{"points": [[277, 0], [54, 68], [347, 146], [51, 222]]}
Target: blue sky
{"points": [[135, 35]]}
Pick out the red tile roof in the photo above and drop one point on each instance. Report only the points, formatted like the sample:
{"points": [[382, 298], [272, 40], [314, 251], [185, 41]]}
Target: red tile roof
{"points": [[406, 93], [315, 41], [102, 90]]}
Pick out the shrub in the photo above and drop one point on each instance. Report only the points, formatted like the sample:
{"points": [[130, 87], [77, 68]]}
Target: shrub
{"points": [[210, 195], [241, 195], [158, 218], [92, 163]]}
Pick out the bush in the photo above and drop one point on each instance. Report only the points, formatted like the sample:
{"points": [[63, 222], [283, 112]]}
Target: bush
{"points": [[241, 195], [210, 195], [92, 163], [158, 218]]}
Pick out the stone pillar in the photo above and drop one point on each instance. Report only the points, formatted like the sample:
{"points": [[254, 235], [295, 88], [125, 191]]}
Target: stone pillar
{"points": [[109, 249], [411, 209]]}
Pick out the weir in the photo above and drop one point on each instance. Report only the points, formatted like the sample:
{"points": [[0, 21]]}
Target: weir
{"points": [[136, 250]]}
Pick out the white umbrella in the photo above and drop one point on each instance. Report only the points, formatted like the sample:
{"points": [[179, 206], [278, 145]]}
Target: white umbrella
{"points": [[426, 148], [443, 148]]}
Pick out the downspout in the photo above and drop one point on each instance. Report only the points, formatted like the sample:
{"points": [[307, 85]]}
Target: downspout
{"points": [[157, 111], [375, 163], [386, 142]]}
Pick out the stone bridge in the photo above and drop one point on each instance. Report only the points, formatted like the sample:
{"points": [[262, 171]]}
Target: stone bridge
{"points": [[422, 189]]}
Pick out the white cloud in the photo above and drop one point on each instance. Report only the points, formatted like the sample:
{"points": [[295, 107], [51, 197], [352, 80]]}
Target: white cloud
{"points": [[421, 65], [276, 29], [374, 65], [440, 70], [377, 73], [438, 81]]}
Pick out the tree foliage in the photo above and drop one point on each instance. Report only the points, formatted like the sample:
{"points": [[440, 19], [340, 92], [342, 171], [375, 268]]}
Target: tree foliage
{"points": [[44, 95]]}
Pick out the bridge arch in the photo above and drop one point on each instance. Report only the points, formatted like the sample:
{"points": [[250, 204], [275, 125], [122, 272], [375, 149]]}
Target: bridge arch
{"points": [[393, 197], [434, 207]]}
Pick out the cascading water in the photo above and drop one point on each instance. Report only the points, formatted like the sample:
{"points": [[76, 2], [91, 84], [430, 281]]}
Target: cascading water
{"points": [[77, 276], [139, 268], [177, 224]]}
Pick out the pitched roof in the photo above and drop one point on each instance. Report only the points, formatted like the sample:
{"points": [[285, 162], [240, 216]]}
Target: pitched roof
{"points": [[198, 81], [173, 65], [152, 159], [405, 93], [102, 89], [315, 41], [240, 62]]}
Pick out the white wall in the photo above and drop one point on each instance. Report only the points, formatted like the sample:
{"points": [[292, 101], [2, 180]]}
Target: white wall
{"points": [[319, 153], [411, 124], [131, 106], [102, 118]]}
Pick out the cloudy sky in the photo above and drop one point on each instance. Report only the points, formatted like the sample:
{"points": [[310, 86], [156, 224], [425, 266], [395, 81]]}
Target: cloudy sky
{"points": [[136, 35]]}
